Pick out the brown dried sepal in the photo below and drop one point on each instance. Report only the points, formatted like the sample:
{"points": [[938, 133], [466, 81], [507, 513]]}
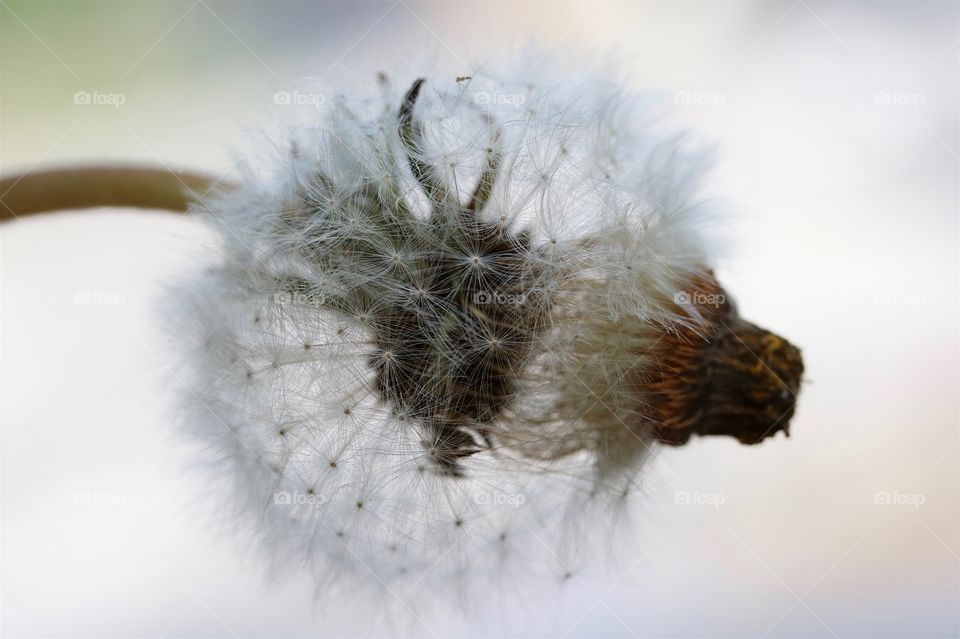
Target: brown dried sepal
{"points": [[728, 377]]}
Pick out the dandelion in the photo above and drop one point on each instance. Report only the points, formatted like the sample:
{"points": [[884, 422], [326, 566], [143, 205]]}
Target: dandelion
{"points": [[447, 329]]}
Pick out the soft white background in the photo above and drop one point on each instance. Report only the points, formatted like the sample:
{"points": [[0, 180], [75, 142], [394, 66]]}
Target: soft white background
{"points": [[844, 237]]}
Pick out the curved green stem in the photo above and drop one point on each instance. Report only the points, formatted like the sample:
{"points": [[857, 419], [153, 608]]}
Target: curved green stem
{"points": [[109, 185]]}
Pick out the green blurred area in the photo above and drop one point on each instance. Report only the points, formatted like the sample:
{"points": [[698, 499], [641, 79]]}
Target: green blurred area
{"points": [[189, 74]]}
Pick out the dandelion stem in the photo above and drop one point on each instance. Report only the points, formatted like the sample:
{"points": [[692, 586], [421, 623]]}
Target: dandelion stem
{"points": [[109, 185]]}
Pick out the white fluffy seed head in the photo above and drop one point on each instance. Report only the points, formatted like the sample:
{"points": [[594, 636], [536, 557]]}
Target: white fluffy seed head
{"points": [[419, 355]]}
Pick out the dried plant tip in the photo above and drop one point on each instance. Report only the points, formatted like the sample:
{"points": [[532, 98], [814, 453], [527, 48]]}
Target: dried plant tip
{"points": [[735, 379], [411, 133], [494, 156]]}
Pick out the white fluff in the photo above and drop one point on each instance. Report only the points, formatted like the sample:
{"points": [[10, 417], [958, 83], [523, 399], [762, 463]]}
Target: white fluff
{"points": [[279, 386]]}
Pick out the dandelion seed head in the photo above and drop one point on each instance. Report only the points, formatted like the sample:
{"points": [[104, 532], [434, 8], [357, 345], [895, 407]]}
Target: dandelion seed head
{"points": [[423, 347]]}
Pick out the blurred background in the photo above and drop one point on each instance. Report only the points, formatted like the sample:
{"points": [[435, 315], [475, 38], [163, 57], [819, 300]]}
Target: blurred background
{"points": [[837, 129]]}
